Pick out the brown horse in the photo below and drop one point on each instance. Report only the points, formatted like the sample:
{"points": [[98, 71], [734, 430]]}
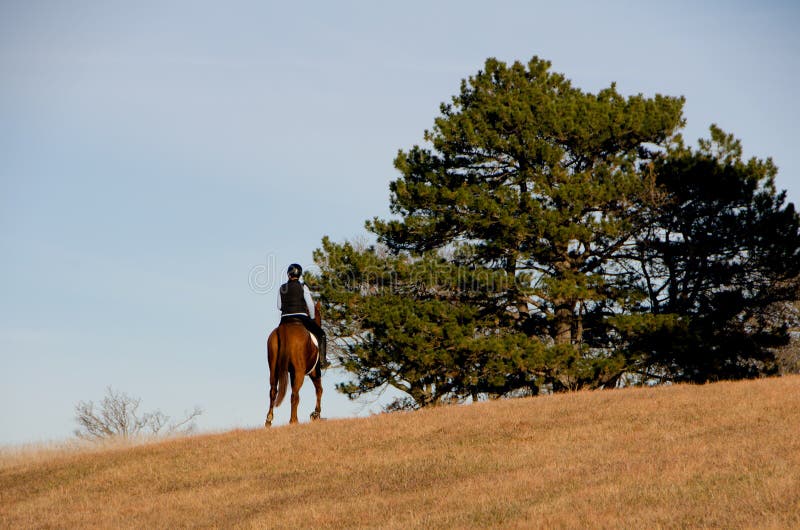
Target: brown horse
{"points": [[293, 355]]}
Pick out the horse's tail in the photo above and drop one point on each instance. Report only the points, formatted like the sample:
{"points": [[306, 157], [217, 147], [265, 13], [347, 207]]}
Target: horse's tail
{"points": [[282, 366]]}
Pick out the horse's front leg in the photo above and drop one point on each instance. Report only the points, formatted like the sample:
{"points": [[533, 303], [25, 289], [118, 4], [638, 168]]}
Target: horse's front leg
{"points": [[317, 380]]}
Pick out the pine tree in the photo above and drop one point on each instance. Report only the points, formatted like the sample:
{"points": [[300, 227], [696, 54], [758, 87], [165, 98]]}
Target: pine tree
{"points": [[548, 239]]}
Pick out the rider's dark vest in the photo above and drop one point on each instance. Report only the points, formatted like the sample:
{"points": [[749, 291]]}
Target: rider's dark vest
{"points": [[292, 300]]}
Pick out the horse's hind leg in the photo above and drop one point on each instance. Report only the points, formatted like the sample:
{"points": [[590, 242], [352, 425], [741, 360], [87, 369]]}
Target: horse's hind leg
{"points": [[297, 382], [273, 392], [272, 358], [317, 380]]}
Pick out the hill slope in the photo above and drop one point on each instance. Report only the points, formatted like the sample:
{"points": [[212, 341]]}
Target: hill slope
{"points": [[723, 455]]}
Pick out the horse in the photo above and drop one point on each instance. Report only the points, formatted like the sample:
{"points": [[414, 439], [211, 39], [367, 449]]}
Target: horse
{"points": [[293, 355]]}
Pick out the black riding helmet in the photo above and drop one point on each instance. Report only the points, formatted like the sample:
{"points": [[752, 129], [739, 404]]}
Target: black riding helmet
{"points": [[295, 271]]}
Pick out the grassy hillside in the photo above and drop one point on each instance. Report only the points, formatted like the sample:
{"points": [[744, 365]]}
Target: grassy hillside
{"points": [[722, 455]]}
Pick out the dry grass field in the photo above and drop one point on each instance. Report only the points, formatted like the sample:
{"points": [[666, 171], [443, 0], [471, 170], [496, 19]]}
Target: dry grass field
{"points": [[725, 455]]}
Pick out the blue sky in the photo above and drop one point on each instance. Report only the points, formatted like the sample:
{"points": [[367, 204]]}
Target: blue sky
{"points": [[154, 154]]}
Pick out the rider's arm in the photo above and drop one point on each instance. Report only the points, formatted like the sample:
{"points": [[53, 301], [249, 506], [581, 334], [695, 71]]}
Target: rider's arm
{"points": [[309, 301], [279, 301]]}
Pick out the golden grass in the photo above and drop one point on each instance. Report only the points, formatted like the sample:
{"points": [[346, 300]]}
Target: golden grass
{"points": [[725, 455], [16, 455]]}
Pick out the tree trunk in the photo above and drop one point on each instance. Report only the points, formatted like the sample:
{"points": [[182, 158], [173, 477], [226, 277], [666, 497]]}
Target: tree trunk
{"points": [[564, 308], [515, 298], [563, 328]]}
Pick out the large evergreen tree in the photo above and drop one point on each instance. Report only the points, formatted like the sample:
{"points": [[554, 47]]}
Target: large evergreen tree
{"points": [[536, 247]]}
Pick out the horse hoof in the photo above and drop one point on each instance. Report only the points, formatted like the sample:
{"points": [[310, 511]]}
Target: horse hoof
{"points": [[315, 415], [267, 424]]}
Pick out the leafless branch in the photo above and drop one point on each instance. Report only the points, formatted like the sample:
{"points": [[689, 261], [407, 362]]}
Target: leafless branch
{"points": [[117, 416]]}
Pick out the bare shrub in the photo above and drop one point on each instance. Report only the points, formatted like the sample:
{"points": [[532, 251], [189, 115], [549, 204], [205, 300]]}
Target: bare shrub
{"points": [[117, 416]]}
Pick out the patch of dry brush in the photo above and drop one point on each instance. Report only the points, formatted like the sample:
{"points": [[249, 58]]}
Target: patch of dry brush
{"points": [[722, 455]]}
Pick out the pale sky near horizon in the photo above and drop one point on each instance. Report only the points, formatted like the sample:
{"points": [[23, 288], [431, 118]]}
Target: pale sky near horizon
{"points": [[154, 155]]}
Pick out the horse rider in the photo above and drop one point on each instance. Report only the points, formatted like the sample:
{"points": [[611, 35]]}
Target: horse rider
{"points": [[294, 302]]}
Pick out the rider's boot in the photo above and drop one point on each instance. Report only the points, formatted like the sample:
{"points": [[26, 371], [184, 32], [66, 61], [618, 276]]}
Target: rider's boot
{"points": [[323, 352]]}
